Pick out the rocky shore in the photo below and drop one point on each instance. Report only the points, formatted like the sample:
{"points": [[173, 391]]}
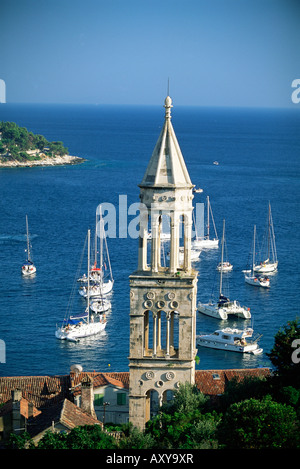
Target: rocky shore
{"points": [[44, 161]]}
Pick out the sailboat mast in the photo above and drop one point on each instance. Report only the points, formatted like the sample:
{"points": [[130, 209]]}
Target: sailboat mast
{"points": [[95, 260], [221, 276], [253, 255], [207, 217], [101, 241], [28, 244], [88, 270], [269, 231]]}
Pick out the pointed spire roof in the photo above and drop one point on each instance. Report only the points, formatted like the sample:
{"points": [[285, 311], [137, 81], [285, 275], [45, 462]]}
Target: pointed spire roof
{"points": [[166, 167]]}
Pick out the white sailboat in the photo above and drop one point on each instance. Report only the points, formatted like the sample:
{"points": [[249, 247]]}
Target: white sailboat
{"points": [[76, 327], [250, 277], [270, 264], [101, 284], [195, 254], [28, 268], [222, 308], [206, 242], [233, 340], [100, 305]]}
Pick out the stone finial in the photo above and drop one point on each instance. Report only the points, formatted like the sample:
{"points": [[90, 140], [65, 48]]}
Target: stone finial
{"points": [[168, 105]]}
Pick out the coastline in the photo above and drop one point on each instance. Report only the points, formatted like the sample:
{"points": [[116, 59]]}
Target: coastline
{"points": [[45, 161]]}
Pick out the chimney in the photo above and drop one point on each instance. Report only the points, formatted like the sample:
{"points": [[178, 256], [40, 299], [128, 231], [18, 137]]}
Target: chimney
{"points": [[87, 396], [30, 409], [17, 419]]}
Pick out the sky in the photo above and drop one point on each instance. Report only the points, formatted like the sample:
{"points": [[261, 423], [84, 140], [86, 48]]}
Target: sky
{"points": [[213, 52]]}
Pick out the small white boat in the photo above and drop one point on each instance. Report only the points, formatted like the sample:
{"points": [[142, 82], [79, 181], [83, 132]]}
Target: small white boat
{"points": [[96, 275], [270, 264], [195, 254], [98, 289], [76, 327], [223, 307], [28, 268], [233, 340], [250, 277], [225, 266], [100, 305], [206, 242], [164, 236], [256, 280]]}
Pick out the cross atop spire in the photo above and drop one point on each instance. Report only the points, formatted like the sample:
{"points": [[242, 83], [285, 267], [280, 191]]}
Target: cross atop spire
{"points": [[167, 167]]}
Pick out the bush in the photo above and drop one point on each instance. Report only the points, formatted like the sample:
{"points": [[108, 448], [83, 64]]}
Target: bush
{"points": [[259, 424]]}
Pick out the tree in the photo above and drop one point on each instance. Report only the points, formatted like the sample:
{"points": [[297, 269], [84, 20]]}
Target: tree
{"points": [[136, 439], [259, 424], [187, 398], [240, 390], [191, 430], [285, 355], [182, 423]]}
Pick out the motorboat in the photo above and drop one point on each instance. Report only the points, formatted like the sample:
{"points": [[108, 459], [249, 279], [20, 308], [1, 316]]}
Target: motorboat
{"points": [[229, 339]]}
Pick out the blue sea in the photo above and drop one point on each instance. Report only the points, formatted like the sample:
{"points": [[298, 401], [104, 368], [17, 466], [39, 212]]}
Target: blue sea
{"points": [[258, 151]]}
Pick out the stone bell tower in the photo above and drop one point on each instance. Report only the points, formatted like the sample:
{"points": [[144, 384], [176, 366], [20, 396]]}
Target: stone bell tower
{"points": [[163, 289]]}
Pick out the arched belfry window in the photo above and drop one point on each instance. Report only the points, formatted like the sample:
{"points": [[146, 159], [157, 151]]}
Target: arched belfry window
{"points": [[159, 328]]}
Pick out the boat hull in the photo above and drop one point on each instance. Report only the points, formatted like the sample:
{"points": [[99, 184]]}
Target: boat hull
{"points": [[96, 290], [227, 267], [257, 282], [74, 333], [266, 267], [27, 271], [205, 243], [251, 348], [222, 312], [100, 306]]}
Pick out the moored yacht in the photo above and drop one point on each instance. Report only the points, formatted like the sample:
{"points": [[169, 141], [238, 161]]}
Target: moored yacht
{"points": [[223, 307], [233, 340]]}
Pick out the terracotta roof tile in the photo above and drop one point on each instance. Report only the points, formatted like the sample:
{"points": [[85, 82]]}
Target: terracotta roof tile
{"points": [[42, 391], [45, 391], [213, 382], [65, 413], [100, 379]]}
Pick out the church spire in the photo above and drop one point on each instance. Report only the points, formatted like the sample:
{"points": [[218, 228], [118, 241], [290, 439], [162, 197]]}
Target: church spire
{"points": [[167, 167]]}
